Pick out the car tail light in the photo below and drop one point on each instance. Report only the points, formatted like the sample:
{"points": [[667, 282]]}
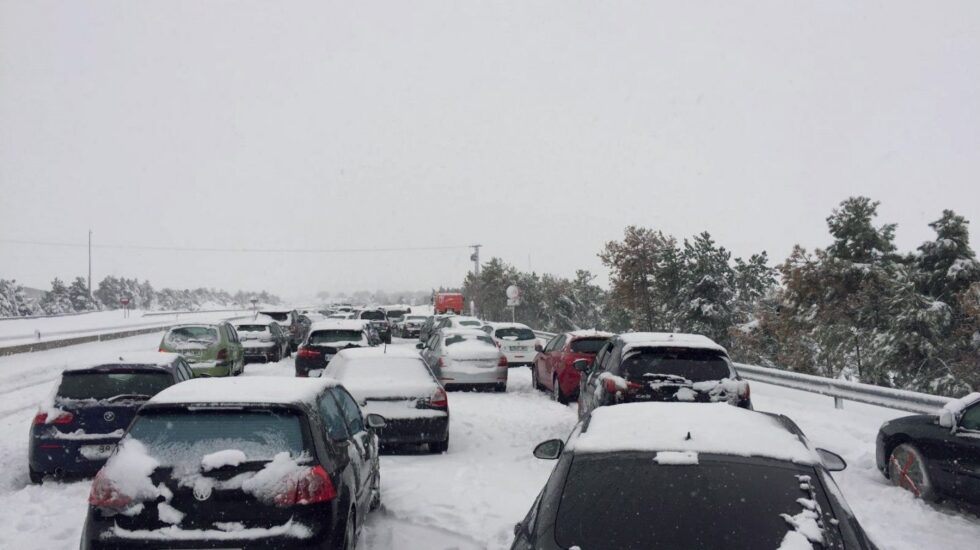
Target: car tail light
{"points": [[105, 495], [222, 355], [439, 399], [746, 392], [502, 362], [440, 363], [613, 387], [306, 353], [312, 487], [62, 418]]}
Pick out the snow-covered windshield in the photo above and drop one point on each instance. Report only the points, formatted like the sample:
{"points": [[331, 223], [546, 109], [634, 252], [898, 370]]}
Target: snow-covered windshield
{"points": [[105, 385], [458, 338], [628, 501], [588, 345], [697, 365], [323, 337], [193, 335], [185, 437], [514, 333]]}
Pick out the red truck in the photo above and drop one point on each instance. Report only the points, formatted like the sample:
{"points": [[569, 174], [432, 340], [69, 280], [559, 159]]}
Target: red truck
{"points": [[448, 302]]}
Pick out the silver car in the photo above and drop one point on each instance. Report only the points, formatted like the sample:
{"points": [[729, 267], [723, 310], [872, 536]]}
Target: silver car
{"points": [[465, 359]]}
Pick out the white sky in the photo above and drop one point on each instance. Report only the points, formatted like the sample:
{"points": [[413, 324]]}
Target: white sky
{"points": [[539, 129]]}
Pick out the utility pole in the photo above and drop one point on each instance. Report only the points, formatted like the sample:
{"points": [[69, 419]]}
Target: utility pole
{"points": [[475, 256], [90, 263]]}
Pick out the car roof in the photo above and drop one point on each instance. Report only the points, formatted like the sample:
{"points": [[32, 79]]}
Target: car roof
{"points": [[338, 324], [633, 340], [508, 325], [157, 359], [252, 389], [713, 428], [205, 325]]}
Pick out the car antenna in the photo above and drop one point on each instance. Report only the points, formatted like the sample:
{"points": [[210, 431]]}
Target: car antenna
{"points": [[688, 438]]}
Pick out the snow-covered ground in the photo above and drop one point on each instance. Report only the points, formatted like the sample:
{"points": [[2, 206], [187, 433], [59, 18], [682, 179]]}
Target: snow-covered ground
{"points": [[470, 497]]}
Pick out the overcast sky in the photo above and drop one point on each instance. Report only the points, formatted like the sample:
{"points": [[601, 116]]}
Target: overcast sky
{"points": [[538, 129]]}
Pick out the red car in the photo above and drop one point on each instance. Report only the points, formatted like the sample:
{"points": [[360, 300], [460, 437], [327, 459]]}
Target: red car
{"points": [[552, 369]]}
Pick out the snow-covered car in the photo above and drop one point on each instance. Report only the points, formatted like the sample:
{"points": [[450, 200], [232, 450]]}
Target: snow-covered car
{"points": [[410, 326], [378, 321], [76, 430], [263, 339], [709, 476], [553, 368], [516, 340], [211, 349], [429, 327], [288, 319], [341, 316], [659, 366], [326, 338], [464, 359], [935, 455], [458, 321], [397, 384], [243, 462]]}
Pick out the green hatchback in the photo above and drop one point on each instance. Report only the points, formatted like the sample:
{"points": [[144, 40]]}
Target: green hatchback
{"points": [[210, 349]]}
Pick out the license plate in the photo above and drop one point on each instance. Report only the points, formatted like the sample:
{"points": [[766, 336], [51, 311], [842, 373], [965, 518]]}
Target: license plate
{"points": [[518, 348], [97, 452]]}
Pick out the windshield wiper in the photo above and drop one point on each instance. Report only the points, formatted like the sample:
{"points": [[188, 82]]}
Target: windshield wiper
{"points": [[124, 396]]}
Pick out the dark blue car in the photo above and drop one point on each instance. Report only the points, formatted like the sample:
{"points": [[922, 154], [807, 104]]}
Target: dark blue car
{"points": [[74, 434]]}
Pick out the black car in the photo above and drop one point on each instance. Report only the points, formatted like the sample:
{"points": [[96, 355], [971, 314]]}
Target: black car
{"points": [[653, 366], [379, 321], [326, 338], [935, 455], [289, 321], [410, 326], [722, 478], [244, 463], [429, 327], [74, 434], [263, 340]]}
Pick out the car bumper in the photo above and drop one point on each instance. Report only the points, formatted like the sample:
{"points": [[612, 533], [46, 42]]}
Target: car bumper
{"points": [[211, 369], [452, 379], [63, 457], [414, 430], [519, 358], [263, 352]]}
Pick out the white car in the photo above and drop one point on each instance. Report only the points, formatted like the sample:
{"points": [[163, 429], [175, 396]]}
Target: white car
{"points": [[516, 341], [465, 359]]}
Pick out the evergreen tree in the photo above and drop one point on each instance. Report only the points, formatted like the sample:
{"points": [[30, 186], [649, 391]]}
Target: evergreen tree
{"points": [[56, 300], [79, 297]]}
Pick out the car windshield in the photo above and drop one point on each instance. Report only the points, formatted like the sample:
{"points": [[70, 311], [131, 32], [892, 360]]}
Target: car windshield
{"points": [[734, 505], [373, 315], [321, 337], [105, 385], [696, 365], [193, 335], [513, 333], [457, 338], [277, 315], [185, 436], [588, 345], [395, 313]]}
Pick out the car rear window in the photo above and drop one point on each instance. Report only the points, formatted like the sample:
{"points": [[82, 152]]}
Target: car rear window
{"points": [[106, 385], [278, 316], [373, 315], [185, 436], [714, 504], [515, 334], [697, 365], [193, 335], [252, 328], [394, 313], [588, 345], [322, 337]]}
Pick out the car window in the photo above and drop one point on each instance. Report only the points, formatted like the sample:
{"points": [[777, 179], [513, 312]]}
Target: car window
{"points": [[971, 418], [350, 410], [202, 335], [333, 418], [600, 358], [696, 365], [80, 385], [183, 366], [588, 345]]}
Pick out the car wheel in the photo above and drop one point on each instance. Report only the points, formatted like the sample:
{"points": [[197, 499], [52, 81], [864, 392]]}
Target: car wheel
{"points": [[907, 469], [556, 392], [534, 377], [35, 476], [440, 446], [350, 531], [376, 490], [276, 357], [501, 387]]}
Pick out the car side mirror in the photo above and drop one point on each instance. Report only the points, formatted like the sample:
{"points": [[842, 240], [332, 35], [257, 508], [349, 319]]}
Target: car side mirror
{"points": [[518, 529], [549, 450], [420, 345], [947, 419], [581, 365], [538, 348], [832, 461], [376, 421]]}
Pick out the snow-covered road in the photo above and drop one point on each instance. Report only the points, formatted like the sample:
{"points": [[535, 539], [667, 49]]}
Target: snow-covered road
{"points": [[470, 497]]}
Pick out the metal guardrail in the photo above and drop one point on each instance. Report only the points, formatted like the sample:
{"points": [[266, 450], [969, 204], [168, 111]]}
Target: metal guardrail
{"points": [[840, 390]]}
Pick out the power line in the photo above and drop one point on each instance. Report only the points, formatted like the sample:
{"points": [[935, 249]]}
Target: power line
{"points": [[244, 250]]}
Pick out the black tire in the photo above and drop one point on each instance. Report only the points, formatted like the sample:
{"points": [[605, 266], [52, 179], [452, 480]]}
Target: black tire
{"points": [[556, 393], [534, 377], [36, 477], [501, 387], [908, 469], [439, 447], [376, 490]]}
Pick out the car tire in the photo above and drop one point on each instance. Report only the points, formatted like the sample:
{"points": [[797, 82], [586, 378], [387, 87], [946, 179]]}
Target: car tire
{"points": [[907, 468], [500, 388], [376, 490], [276, 357], [439, 447], [556, 393], [36, 477], [534, 378]]}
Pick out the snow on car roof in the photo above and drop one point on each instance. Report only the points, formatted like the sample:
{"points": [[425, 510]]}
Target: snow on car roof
{"points": [[957, 406], [370, 372], [509, 325], [462, 331], [634, 340], [253, 389], [148, 358], [338, 324], [716, 428], [589, 333]]}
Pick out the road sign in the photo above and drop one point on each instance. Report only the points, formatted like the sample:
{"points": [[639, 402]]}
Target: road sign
{"points": [[513, 302]]}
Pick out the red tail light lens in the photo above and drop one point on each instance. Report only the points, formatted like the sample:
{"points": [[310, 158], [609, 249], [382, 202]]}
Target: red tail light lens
{"points": [[307, 353], [439, 399], [503, 361], [610, 385], [60, 420], [222, 355], [312, 487], [105, 495]]}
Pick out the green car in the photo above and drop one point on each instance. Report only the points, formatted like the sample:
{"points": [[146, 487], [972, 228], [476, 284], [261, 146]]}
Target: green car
{"points": [[211, 349]]}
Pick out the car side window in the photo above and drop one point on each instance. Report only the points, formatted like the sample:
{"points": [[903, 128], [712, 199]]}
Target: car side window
{"points": [[333, 418], [613, 359], [352, 413], [601, 356], [560, 343], [550, 346], [971, 418], [184, 371]]}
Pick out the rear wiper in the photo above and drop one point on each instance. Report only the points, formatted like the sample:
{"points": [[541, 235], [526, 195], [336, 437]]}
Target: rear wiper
{"points": [[124, 396]]}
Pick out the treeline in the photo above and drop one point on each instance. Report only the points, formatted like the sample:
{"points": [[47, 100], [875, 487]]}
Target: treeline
{"points": [[74, 297], [858, 309], [377, 297]]}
